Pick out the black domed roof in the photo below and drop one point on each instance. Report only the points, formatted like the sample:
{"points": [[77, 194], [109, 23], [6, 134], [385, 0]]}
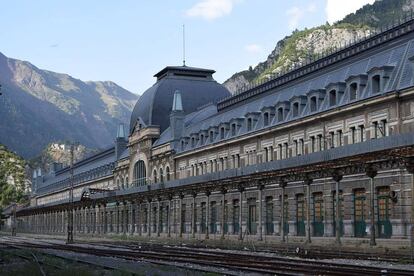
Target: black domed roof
{"points": [[197, 88]]}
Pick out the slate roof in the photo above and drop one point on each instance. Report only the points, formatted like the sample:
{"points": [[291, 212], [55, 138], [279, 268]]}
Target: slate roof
{"points": [[395, 56]]}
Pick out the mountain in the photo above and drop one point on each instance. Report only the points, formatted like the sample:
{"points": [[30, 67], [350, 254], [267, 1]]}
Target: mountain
{"points": [[39, 107], [12, 177], [310, 43]]}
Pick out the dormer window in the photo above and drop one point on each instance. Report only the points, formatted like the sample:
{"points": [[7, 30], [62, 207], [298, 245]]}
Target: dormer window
{"points": [[211, 136], [353, 87], [332, 98], [202, 139], [222, 133], [280, 114], [233, 130], [193, 142], [376, 84], [313, 104], [295, 109], [182, 145], [266, 119], [249, 124]]}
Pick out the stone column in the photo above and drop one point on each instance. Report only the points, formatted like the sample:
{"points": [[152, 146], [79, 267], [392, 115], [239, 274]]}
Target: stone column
{"points": [[125, 219], [307, 181], [371, 173], [409, 164], [98, 219], [283, 185], [337, 177], [149, 218], [104, 219], [159, 224], [169, 216], [193, 216], [241, 190], [180, 231], [260, 195], [131, 218], [223, 210], [207, 214], [117, 218]]}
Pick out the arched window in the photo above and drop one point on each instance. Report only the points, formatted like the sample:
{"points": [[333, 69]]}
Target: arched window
{"points": [[154, 176], [117, 184], [122, 183], [167, 173], [140, 173], [126, 182], [161, 175]]}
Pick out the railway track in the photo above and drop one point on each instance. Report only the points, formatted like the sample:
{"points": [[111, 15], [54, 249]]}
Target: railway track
{"points": [[238, 262]]}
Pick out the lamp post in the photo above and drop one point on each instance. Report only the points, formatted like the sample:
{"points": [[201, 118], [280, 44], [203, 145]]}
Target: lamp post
{"points": [[70, 211]]}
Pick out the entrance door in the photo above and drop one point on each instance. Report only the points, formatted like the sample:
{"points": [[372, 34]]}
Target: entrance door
{"points": [[236, 213], [384, 224], [213, 222], [341, 206], [286, 216], [300, 215], [252, 218], [359, 213], [269, 216], [203, 217], [226, 217], [183, 214], [318, 227]]}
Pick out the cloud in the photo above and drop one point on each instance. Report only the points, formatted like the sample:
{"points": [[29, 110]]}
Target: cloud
{"points": [[295, 14], [211, 9], [337, 9], [253, 48]]}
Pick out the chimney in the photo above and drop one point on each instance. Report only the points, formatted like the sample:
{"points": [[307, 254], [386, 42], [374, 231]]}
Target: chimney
{"points": [[177, 117], [120, 141]]}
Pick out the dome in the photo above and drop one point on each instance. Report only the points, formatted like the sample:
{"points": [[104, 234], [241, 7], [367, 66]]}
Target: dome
{"points": [[197, 88]]}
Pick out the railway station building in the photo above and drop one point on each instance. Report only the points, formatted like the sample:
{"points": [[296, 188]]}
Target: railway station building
{"points": [[324, 151]]}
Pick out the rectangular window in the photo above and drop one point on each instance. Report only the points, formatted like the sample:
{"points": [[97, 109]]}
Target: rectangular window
{"points": [[286, 150], [295, 143], [312, 144], [280, 151], [302, 146], [352, 132], [375, 129], [361, 133], [339, 133], [320, 142], [332, 138], [383, 128], [222, 133]]}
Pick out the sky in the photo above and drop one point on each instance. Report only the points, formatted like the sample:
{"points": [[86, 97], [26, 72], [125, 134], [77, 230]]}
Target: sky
{"points": [[128, 41]]}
